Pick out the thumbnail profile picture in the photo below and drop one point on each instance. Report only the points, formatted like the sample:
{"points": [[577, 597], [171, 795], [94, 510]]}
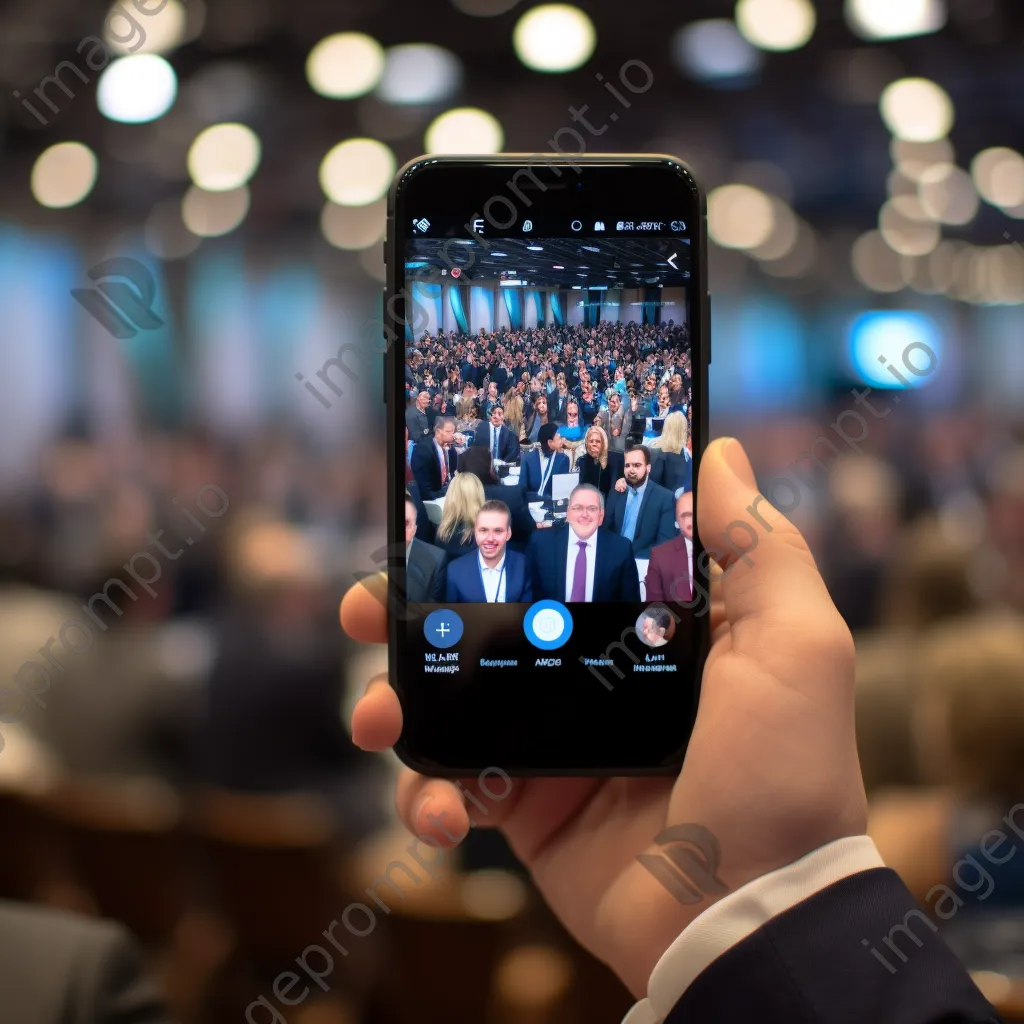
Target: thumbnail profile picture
{"points": [[656, 626]]}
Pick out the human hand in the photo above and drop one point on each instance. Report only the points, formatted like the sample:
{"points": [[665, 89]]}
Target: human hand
{"points": [[620, 485], [771, 769]]}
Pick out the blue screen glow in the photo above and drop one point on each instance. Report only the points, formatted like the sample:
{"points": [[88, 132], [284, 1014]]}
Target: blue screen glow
{"points": [[895, 349]]}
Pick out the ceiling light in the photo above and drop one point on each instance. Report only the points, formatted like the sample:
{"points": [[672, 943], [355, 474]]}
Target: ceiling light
{"points": [[776, 24], [714, 50], [354, 227], [464, 130], [136, 89], [63, 175], [895, 19], [998, 174], [554, 38], [417, 73], [223, 157], [876, 265], [783, 236], [344, 65], [157, 31], [357, 172], [918, 110], [912, 159], [948, 195], [905, 234]]}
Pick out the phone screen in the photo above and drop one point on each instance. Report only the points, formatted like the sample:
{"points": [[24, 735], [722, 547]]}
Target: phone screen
{"points": [[550, 400]]}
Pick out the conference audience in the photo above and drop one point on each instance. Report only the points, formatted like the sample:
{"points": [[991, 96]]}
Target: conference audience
{"points": [[416, 416], [465, 498], [670, 570], [424, 563], [673, 466], [599, 465], [477, 460], [539, 466], [572, 430], [500, 441], [434, 460], [639, 509], [582, 562], [616, 421], [494, 573], [535, 419]]}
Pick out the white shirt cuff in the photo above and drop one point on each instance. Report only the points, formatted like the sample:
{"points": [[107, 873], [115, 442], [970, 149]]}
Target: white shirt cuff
{"points": [[738, 915]]}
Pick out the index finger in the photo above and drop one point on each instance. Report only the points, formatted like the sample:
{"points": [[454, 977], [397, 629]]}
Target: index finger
{"points": [[363, 610]]}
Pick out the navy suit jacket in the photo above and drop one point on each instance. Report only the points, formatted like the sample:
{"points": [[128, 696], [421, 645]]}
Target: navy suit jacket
{"points": [[530, 472], [615, 575], [810, 963], [673, 470], [508, 443], [656, 522], [426, 468], [466, 584]]}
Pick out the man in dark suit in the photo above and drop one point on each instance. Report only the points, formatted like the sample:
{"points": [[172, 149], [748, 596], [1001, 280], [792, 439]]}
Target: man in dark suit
{"points": [[494, 572], [639, 509], [670, 572], [416, 417], [498, 439], [424, 563], [583, 562], [471, 372], [538, 467], [434, 461], [58, 968]]}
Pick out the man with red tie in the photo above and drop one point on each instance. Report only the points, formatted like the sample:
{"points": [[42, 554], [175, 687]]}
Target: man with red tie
{"points": [[670, 571], [434, 460]]}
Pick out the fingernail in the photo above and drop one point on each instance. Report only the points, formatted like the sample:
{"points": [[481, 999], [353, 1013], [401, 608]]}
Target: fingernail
{"points": [[736, 459]]}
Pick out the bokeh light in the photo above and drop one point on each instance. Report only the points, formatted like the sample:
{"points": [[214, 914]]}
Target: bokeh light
{"points": [[740, 216], [160, 30], [357, 172], [776, 24], [554, 38], [64, 175], [354, 227], [714, 50], [895, 19], [876, 265], [419, 73], [224, 157], [210, 214], [917, 110], [344, 65], [136, 89], [948, 195], [464, 130], [998, 174], [903, 224]]}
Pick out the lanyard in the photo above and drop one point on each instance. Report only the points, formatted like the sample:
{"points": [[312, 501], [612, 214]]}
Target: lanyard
{"points": [[501, 576], [547, 472]]}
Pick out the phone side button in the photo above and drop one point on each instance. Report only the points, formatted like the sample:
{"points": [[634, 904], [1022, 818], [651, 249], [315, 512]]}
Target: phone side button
{"points": [[384, 374], [707, 314]]}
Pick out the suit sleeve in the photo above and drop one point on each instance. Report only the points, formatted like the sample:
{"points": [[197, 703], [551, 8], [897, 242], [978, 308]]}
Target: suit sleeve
{"points": [[667, 522], [655, 591], [630, 580], [835, 938], [438, 581]]}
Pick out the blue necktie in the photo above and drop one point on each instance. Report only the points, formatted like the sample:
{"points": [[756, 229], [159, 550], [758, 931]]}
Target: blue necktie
{"points": [[496, 430], [632, 508]]}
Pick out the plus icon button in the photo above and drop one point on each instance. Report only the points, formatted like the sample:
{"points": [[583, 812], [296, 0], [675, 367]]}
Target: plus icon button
{"points": [[443, 628]]}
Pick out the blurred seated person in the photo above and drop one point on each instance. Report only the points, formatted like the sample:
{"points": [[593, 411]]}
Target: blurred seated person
{"points": [[440, 405], [558, 399], [572, 430], [661, 405], [968, 727], [274, 701], [477, 460], [416, 421], [455, 532], [58, 968], [538, 467], [424, 527], [434, 460], [638, 509], [670, 570], [673, 466], [582, 562], [491, 399], [616, 421], [424, 563], [501, 442], [467, 414], [598, 465], [677, 393], [590, 404], [494, 573], [536, 417], [514, 413]]}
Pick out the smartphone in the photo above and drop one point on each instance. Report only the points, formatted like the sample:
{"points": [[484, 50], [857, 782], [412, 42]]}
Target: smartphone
{"points": [[545, 618]]}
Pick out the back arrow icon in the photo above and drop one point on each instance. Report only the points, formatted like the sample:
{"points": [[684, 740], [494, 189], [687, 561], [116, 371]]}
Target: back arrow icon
{"points": [[671, 258]]}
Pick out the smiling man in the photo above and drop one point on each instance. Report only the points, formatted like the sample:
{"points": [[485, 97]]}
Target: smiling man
{"points": [[492, 573]]}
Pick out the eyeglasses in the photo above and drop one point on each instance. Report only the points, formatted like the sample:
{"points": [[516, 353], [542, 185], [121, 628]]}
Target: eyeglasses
{"points": [[592, 509]]}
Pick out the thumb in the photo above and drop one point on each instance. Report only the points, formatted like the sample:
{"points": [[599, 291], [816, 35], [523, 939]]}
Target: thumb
{"points": [[769, 581]]}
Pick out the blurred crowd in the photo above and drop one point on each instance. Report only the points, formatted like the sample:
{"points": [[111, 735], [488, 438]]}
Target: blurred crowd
{"points": [[227, 675]]}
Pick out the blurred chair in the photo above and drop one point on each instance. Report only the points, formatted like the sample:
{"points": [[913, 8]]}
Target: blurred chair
{"points": [[32, 865]]}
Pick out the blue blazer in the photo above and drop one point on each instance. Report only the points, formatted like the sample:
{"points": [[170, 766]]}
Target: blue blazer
{"points": [[672, 471], [615, 575], [466, 584], [529, 473], [508, 443], [656, 522]]}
